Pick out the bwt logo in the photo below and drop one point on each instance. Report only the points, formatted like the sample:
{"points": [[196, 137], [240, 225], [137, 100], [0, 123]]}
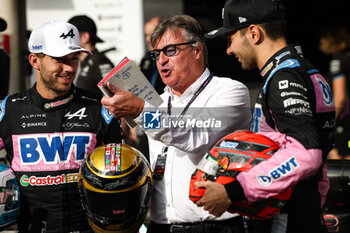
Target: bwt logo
{"points": [[277, 173], [34, 149], [229, 144], [36, 47], [151, 120]]}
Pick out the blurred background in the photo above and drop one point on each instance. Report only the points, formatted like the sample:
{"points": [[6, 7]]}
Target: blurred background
{"points": [[120, 24]]}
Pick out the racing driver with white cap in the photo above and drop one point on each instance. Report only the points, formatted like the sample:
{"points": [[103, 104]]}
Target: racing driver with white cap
{"points": [[48, 131]]}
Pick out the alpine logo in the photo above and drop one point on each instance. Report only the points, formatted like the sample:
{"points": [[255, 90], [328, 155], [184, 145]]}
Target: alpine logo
{"points": [[80, 114], [242, 19], [278, 172], [327, 94], [70, 34]]}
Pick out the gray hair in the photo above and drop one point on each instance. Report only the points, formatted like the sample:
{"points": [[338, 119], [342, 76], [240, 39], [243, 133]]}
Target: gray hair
{"points": [[192, 31]]}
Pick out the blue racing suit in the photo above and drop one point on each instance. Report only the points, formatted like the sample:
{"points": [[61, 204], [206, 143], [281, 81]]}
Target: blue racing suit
{"points": [[295, 108], [46, 141]]}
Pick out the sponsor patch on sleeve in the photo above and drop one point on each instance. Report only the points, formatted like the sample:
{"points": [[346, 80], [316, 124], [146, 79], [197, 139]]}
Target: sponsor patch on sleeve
{"points": [[278, 172]]}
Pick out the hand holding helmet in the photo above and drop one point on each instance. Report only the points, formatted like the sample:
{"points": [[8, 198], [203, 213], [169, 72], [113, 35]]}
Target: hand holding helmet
{"points": [[235, 153]]}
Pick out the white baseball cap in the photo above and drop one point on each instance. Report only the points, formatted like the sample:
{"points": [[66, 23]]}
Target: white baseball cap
{"points": [[56, 39]]}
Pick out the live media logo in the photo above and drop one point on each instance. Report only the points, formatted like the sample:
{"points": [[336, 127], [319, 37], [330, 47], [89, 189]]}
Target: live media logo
{"points": [[151, 120]]}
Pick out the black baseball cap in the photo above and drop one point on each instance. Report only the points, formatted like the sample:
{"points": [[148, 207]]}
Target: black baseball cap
{"points": [[86, 24], [3, 25], [239, 14]]}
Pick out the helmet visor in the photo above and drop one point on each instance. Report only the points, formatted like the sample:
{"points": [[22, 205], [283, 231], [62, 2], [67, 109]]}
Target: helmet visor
{"points": [[119, 208]]}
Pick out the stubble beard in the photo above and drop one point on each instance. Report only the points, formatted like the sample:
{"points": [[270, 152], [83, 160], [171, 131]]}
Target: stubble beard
{"points": [[248, 64], [51, 84]]}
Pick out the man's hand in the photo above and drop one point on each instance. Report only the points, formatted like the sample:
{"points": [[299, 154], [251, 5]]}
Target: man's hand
{"points": [[215, 199], [122, 103]]}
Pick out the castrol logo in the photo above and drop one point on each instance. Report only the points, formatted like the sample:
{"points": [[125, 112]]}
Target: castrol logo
{"points": [[48, 180]]}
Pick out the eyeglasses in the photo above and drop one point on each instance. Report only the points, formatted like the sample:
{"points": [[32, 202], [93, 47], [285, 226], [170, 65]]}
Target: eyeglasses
{"points": [[169, 50]]}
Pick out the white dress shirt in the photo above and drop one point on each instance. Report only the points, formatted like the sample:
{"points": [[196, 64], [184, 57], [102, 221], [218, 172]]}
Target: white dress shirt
{"points": [[224, 105]]}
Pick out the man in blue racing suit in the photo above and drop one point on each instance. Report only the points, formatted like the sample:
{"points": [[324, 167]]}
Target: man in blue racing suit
{"points": [[295, 108], [48, 131]]}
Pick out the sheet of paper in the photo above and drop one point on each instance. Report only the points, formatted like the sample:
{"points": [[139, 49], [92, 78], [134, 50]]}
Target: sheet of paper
{"points": [[127, 76]]}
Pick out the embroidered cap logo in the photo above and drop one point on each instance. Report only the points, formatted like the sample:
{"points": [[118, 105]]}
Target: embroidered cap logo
{"points": [[70, 33]]}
